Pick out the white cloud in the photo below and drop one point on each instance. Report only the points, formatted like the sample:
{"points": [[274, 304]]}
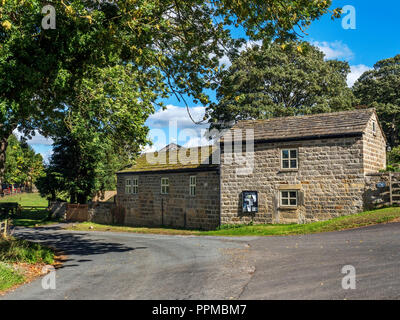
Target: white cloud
{"points": [[163, 122], [46, 155], [339, 50], [334, 50], [162, 118], [36, 139], [356, 72], [250, 43], [197, 141]]}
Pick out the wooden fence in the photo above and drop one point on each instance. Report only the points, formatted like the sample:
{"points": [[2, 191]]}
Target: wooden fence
{"points": [[10, 191], [77, 212], [9, 209], [34, 208], [4, 228]]}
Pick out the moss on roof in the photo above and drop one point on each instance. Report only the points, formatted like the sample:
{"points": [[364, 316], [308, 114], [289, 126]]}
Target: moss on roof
{"points": [[183, 158], [322, 124]]}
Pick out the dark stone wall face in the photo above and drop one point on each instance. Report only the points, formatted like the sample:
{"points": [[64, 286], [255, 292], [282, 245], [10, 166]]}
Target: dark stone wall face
{"points": [[177, 208]]}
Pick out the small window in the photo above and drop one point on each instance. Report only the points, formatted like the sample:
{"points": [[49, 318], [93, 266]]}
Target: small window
{"points": [[289, 159], [373, 126], [135, 185], [289, 198], [192, 185], [164, 185], [128, 186]]}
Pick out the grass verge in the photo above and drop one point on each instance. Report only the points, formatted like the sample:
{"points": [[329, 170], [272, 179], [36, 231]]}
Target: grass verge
{"points": [[336, 224], [9, 277], [89, 226], [26, 199], [18, 250], [32, 218], [21, 261]]}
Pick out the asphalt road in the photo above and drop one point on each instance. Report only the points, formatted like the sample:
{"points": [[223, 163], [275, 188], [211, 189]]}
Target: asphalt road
{"points": [[103, 265]]}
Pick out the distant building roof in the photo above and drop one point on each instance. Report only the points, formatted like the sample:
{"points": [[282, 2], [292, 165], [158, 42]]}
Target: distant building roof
{"points": [[104, 196], [309, 126], [182, 159], [171, 146]]}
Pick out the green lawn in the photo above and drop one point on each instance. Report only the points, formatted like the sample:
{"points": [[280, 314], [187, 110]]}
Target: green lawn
{"points": [[9, 277], [29, 218], [341, 223], [26, 199], [14, 251]]}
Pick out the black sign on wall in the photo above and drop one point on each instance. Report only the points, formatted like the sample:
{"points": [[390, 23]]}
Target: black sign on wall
{"points": [[250, 201]]}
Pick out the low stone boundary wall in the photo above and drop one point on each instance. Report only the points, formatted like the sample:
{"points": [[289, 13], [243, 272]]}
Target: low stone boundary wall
{"points": [[97, 212], [58, 209], [106, 213]]}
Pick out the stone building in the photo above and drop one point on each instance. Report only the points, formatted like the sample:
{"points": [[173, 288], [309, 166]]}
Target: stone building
{"points": [[175, 187], [283, 170]]}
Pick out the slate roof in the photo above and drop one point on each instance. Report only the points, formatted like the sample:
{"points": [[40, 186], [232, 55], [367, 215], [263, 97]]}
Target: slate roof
{"points": [[310, 126], [196, 161], [338, 124]]}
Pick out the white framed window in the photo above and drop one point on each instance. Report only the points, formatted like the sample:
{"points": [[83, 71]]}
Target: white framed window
{"points": [[289, 198], [373, 127], [289, 159], [128, 186], [164, 185], [135, 185], [192, 186]]}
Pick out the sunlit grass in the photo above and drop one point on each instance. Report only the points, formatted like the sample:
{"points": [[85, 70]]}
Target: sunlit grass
{"points": [[340, 223], [26, 199]]}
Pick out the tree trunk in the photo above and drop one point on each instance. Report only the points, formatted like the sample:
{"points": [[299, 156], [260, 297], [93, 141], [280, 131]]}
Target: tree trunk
{"points": [[3, 148], [81, 198], [72, 198]]}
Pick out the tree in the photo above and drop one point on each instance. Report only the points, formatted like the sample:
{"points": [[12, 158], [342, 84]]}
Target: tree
{"points": [[166, 43], [23, 165], [80, 166], [50, 185], [275, 80], [379, 88], [394, 159], [32, 165], [13, 172]]}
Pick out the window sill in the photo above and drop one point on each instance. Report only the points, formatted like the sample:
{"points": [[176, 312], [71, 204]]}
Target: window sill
{"points": [[289, 170], [288, 208]]}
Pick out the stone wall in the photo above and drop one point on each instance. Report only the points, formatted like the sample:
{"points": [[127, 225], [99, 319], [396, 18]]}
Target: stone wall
{"points": [[177, 209], [58, 209], [374, 148], [106, 213], [329, 181], [97, 212]]}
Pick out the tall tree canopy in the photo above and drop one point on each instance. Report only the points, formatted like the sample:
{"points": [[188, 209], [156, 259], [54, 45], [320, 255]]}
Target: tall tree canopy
{"points": [[23, 166], [80, 166], [164, 45], [276, 80], [380, 88]]}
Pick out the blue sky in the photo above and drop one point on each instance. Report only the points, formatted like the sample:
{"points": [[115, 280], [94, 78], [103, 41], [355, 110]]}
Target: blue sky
{"points": [[376, 37]]}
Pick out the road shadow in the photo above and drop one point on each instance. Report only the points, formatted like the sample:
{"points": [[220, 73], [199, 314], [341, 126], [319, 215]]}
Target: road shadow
{"points": [[79, 244]]}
